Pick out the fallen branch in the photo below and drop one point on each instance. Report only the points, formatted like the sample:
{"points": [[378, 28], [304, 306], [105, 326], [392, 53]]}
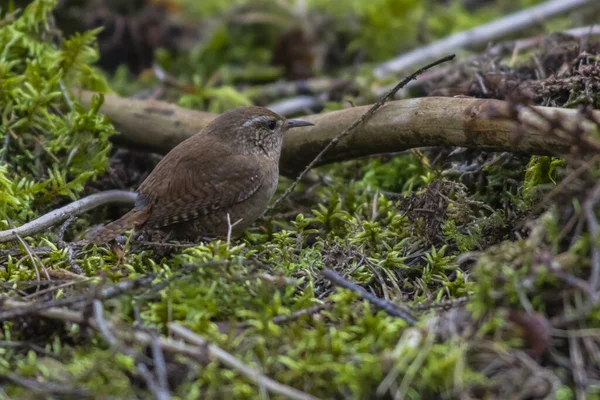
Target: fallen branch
{"points": [[232, 362], [480, 35], [398, 126]]}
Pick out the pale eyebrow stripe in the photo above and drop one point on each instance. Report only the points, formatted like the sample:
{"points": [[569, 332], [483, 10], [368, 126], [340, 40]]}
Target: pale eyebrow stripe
{"points": [[251, 121]]}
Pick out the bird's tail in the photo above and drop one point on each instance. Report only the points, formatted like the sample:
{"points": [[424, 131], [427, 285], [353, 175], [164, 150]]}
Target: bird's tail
{"points": [[108, 232]]}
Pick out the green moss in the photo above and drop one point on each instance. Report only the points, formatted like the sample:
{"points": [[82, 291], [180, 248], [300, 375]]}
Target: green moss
{"points": [[464, 242], [359, 220], [53, 147], [540, 173]]}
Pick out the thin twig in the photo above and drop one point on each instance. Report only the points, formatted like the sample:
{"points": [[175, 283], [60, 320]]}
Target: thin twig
{"points": [[28, 345], [355, 124], [444, 305], [392, 309], [159, 392], [578, 368], [198, 351], [590, 215], [139, 336], [76, 301], [102, 326], [160, 369], [58, 287], [10, 17], [75, 208], [232, 362], [47, 388]]}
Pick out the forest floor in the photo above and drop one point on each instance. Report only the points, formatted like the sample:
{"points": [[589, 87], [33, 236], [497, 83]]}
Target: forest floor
{"points": [[440, 271]]}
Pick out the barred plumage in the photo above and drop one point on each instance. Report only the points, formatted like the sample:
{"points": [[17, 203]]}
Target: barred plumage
{"points": [[230, 168]]}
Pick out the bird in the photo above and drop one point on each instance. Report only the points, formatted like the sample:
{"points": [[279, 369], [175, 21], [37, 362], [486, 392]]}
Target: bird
{"points": [[215, 183]]}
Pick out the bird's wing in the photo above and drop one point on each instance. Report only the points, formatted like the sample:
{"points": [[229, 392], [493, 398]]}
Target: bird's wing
{"points": [[197, 186]]}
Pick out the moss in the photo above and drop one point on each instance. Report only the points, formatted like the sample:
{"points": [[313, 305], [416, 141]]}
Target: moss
{"points": [[392, 224], [53, 147], [540, 173]]}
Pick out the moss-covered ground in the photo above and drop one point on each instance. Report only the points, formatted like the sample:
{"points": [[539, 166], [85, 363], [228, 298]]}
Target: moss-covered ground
{"points": [[495, 254]]}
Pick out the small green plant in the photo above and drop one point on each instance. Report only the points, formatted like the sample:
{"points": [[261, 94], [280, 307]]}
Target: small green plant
{"points": [[52, 146]]}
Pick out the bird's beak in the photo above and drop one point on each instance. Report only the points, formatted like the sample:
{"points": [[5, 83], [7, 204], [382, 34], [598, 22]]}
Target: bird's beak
{"points": [[294, 123]]}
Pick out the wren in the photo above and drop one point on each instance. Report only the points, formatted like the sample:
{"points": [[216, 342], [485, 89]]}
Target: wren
{"points": [[221, 178]]}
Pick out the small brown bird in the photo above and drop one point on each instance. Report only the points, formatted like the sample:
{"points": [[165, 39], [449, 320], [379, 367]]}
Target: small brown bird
{"points": [[228, 169]]}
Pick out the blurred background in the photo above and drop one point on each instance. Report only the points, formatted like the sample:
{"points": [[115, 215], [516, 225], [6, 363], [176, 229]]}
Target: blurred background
{"points": [[212, 54]]}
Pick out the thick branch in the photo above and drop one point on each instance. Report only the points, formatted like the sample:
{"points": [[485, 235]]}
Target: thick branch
{"points": [[156, 125], [429, 121], [398, 126]]}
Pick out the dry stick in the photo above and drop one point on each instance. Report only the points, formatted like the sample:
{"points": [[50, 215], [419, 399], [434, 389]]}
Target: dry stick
{"points": [[141, 337], [230, 228], [102, 325], [160, 393], [594, 229], [76, 208], [47, 388], [480, 35], [232, 362], [399, 126], [160, 369], [392, 309], [53, 288], [356, 123], [105, 293], [578, 368], [111, 291]]}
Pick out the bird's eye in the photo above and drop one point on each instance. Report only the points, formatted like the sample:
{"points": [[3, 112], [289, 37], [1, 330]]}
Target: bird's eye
{"points": [[271, 124]]}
